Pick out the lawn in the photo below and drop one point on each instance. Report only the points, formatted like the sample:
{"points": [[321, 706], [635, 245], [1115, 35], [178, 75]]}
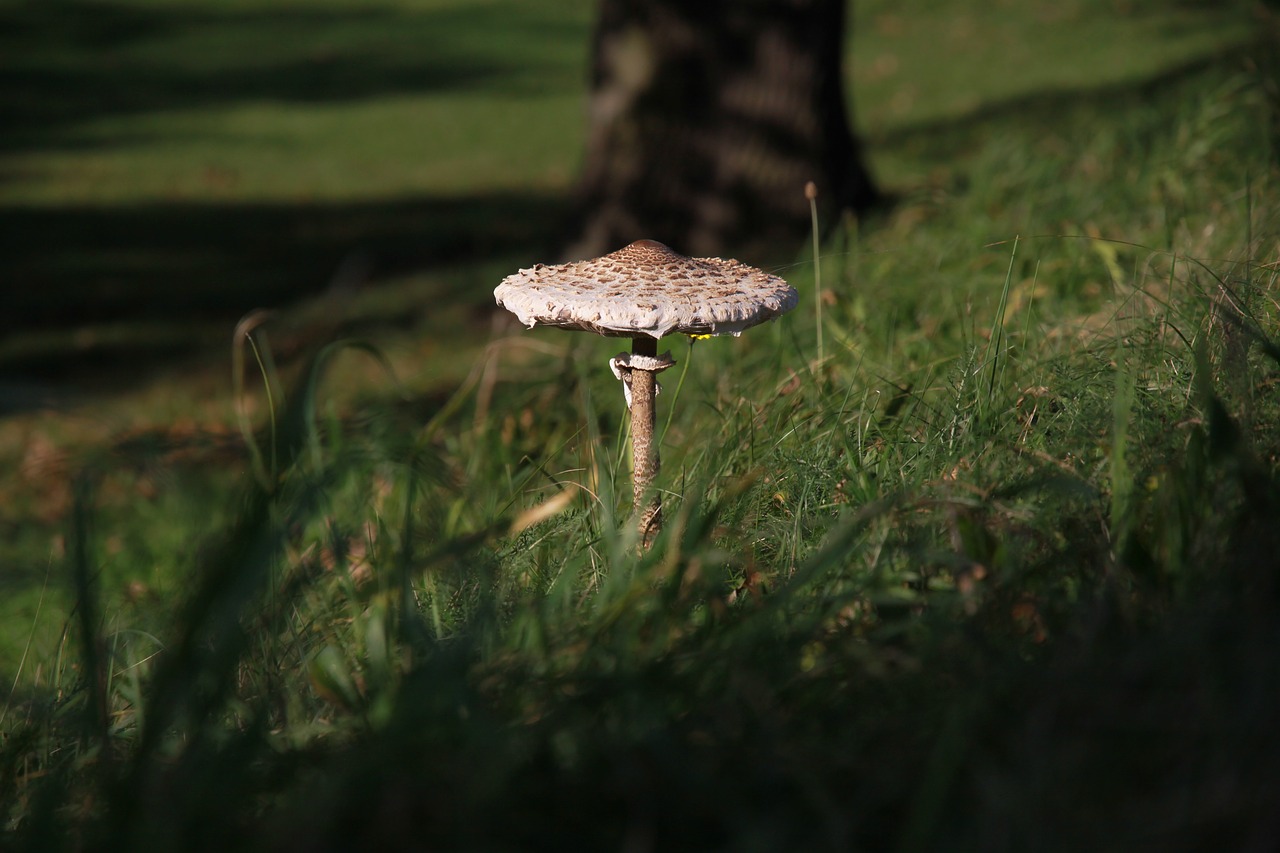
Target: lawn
{"points": [[992, 567]]}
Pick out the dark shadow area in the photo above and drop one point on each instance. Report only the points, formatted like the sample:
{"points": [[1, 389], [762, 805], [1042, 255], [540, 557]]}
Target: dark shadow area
{"points": [[172, 261], [173, 264]]}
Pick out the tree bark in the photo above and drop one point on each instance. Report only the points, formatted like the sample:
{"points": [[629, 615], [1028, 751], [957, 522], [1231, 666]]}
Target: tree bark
{"points": [[707, 118]]}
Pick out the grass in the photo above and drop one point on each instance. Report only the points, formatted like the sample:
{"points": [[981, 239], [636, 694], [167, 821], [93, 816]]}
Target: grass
{"points": [[995, 572]]}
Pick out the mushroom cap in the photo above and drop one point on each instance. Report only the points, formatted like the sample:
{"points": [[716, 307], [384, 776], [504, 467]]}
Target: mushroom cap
{"points": [[646, 289]]}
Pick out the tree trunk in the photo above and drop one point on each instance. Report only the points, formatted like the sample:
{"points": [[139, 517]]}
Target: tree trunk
{"points": [[707, 118]]}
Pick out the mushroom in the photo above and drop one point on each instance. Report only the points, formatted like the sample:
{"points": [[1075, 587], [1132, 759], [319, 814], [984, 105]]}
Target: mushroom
{"points": [[643, 292]]}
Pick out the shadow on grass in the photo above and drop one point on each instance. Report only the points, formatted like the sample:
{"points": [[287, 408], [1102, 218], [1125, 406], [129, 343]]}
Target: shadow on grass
{"points": [[157, 270], [71, 62], [1048, 107], [97, 291]]}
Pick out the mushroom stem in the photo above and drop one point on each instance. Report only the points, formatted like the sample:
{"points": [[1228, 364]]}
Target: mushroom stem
{"points": [[645, 459]]}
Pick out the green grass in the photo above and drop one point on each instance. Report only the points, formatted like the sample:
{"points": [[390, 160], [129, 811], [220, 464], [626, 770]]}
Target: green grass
{"points": [[996, 573], [320, 101]]}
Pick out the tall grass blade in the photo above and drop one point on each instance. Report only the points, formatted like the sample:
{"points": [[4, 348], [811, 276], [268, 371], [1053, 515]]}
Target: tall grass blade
{"points": [[675, 398], [93, 655], [243, 337], [1121, 475], [811, 193], [996, 355]]}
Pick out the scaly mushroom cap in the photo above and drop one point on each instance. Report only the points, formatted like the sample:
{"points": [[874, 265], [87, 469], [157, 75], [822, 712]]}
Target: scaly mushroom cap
{"points": [[646, 289]]}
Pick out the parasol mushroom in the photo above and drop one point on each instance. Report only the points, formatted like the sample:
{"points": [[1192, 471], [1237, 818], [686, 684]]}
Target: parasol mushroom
{"points": [[643, 292]]}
